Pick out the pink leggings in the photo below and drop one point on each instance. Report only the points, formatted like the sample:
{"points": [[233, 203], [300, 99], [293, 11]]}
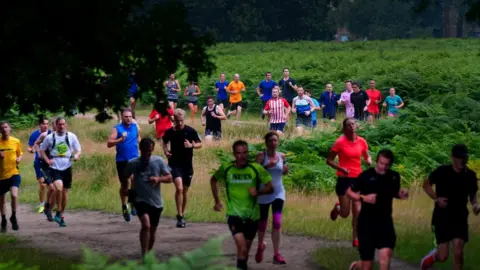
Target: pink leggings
{"points": [[277, 207]]}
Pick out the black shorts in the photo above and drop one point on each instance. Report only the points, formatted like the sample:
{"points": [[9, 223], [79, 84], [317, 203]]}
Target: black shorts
{"points": [[217, 134], [64, 176], [173, 100], [447, 229], [193, 102], [121, 165], [185, 173], [246, 226], [7, 184], [152, 212], [224, 102], [343, 183], [329, 115], [374, 234], [234, 106]]}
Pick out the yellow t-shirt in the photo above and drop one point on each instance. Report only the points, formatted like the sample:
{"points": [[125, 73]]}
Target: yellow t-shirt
{"points": [[234, 86], [12, 148]]}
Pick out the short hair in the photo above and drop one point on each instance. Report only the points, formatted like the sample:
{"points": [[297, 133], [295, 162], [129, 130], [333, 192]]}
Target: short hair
{"points": [[124, 110], [239, 143], [145, 143], [59, 118], [268, 72], [4, 122], [388, 154], [356, 83], [308, 90], [286, 69], [179, 112], [348, 81], [460, 151], [269, 135], [41, 119], [344, 123], [210, 97], [300, 87]]}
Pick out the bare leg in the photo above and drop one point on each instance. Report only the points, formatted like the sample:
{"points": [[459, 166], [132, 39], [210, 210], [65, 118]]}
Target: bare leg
{"points": [[64, 199], [242, 250], [178, 195], [458, 245], [41, 189], [192, 112], [3, 207], [58, 184], [355, 212], [153, 232], [14, 197], [384, 258], [184, 203], [145, 234], [239, 112]]}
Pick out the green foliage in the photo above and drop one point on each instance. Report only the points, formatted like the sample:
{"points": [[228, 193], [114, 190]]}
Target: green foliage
{"points": [[99, 177]]}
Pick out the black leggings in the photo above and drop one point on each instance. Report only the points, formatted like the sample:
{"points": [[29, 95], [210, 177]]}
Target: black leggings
{"points": [[277, 208]]}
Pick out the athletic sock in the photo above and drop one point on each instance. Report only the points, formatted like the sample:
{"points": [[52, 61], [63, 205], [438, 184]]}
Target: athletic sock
{"points": [[4, 217], [42, 203], [242, 264], [124, 207], [58, 213], [14, 214]]}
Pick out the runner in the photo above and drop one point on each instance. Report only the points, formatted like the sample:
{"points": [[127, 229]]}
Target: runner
{"points": [[192, 92], [394, 103], [173, 87], [264, 90], [222, 96], [212, 116], [133, 90], [288, 86], [163, 121], [345, 99], [274, 162], [125, 137], [303, 106], [62, 146], [278, 110], [360, 102], [376, 188], [242, 180], [183, 139], [308, 92], [10, 180], [328, 101], [454, 185], [350, 148], [376, 98], [235, 88], [147, 172], [42, 127]]}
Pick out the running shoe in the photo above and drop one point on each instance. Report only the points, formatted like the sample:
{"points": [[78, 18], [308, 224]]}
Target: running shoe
{"points": [[48, 213], [353, 266], [134, 211], [4, 225], [58, 218], [126, 215], [260, 250], [355, 243], [335, 211], [278, 259], [228, 116], [41, 207], [62, 223], [13, 220], [181, 222], [428, 261]]}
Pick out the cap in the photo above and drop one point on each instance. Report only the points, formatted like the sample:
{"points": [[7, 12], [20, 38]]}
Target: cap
{"points": [[460, 151]]}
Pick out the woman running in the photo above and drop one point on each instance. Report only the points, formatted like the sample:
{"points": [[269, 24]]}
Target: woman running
{"points": [[394, 102], [192, 92], [274, 163], [350, 148], [163, 121], [173, 87]]}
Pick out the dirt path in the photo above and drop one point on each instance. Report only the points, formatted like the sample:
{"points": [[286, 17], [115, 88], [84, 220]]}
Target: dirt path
{"points": [[111, 235]]}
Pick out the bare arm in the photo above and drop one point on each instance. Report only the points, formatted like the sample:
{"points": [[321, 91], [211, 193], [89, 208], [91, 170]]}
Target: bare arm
{"points": [[221, 114], [331, 162], [139, 134], [355, 196], [178, 86], [474, 199], [37, 143], [163, 179], [214, 187], [197, 144], [204, 118], [401, 105], [267, 189], [112, 139], [258, 92], [185, 92], [259, 158], [427, 187], [197, 91]]}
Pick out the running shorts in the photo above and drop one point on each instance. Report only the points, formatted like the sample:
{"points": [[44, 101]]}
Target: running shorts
{"points": [[246, 226], [121, 165], [224, 102], [217, 135], [234, 106], [446, 229], [153, 213], [343, 183], [38, 169], [193, 102], [7, 184], [64, 176], [374, 233], [173, 100], [304, 121], [185, 173], [277, 126]]}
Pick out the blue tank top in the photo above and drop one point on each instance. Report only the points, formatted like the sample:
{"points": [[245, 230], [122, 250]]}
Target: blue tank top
{"points": [[172, 94], [127, 149]]}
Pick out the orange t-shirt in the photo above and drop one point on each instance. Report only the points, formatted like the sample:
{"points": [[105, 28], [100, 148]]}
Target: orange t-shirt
{"points": [[350, 154], [374, 95], [235, 86]]}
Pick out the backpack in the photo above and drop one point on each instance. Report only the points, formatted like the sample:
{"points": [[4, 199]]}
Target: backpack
{"points": [[55, 142]]}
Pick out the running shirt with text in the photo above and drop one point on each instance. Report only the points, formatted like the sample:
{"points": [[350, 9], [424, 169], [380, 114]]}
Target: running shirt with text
{"points": [[276, 107], [239, 201], [62, 152], [374, 96], [236, 86], [11, 149], [345, 98], [350, 154], [181, 156]]}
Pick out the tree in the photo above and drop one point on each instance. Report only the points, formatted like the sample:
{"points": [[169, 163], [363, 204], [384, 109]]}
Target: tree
{"points": [[52, 52]]}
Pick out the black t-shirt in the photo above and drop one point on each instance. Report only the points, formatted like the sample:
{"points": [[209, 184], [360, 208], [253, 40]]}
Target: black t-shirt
{"points": [[456, 187], [287, 91], [181, 156], [359, 101], [385, 186]]}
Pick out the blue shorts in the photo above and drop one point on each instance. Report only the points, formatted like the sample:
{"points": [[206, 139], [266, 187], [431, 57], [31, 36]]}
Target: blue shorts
{"points": [[277, 126], [7, 184], [38, 169]]}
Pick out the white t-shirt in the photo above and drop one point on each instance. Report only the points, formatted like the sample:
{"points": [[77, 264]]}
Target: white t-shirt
{"points": [[61, 153]]}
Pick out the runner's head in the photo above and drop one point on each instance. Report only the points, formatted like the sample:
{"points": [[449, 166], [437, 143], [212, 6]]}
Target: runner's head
{"points": [[268, 76], [348, 85], [271, 140], [385, 159], [43, 124], [210, 101], [459, 157], [392, 91], [355, 87], [236, 77], [349, 126], [372, 84], [286, 72], [329, 87], [172, 76], [240, 152], [54, 123], [222, 77], [147, 146], [127, 116], [192, 83], [5, 129], [61, 125], [300, 91], [275, 91], [308, 92], [179, 118]]}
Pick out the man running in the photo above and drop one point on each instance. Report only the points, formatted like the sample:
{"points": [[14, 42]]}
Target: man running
{"points": [[278, 109], [212, 116], [376, 98], [328, 102], [345, 99], [125, 137], [393, 103], [173, 88], [10, 156], [42, 127], [360, 102], [62, 146], [303, 106], [235, 89], [454, 185], [221, 88], [133, 90], [182, 139], [376, 188], [147, 173], [308, 92], [264, 90], [242, 180], [288, 86]]}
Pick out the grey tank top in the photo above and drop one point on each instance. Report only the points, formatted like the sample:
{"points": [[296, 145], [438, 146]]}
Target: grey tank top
{"points": [[191, 90]]}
